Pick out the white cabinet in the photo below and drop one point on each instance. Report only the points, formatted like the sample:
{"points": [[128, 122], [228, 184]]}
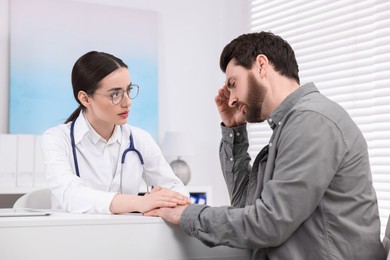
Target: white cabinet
{"points": [[21, 163]]}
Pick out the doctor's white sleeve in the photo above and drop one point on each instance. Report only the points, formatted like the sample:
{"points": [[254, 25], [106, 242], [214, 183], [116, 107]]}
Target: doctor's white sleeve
{"points": [[69, 191]]}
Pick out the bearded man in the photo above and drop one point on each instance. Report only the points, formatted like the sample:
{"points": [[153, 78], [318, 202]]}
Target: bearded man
{"points": [[309, 192]]}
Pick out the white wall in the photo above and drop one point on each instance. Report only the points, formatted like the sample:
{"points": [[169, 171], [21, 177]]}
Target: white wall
{"points": [[191, 37]]}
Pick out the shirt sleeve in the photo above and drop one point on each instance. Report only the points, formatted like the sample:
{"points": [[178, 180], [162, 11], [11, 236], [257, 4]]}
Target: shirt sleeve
{"points": [[69, 191], [309, 153], [235, 162]]}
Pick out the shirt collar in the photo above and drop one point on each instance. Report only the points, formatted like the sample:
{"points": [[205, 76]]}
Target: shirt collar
{"points": [[289, 102], [83, 127]]}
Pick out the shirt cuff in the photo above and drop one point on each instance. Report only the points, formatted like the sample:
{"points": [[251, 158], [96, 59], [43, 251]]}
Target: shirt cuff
{"points": [[103, 203], [237, 134], [189, 218]]}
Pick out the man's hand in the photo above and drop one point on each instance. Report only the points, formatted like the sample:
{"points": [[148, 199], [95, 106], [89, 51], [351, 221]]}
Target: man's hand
{"points": [[230, 115], [172, 215]]}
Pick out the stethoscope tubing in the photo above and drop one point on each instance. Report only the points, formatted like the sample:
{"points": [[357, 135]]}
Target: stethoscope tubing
{"points": [[76, 165], [131, 148]]}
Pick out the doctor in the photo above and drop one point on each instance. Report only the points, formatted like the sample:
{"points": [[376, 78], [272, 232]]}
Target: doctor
{"points": [[95, 161]]}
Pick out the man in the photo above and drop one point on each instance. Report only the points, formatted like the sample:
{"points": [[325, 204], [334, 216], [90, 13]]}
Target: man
{"points": [[309, 194]]}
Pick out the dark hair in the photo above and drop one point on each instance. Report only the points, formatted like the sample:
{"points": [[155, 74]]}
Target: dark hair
{"points": [[87, 73], [245, 48]]}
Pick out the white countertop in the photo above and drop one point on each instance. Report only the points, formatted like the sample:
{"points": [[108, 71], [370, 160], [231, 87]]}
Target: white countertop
{"points": [[91, 236]]}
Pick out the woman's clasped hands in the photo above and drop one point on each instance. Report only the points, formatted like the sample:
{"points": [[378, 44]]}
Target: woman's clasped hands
{"points": [[160, 197]]}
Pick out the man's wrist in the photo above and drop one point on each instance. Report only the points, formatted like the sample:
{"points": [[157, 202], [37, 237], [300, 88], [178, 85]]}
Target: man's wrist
{"points": [[189, 217]]}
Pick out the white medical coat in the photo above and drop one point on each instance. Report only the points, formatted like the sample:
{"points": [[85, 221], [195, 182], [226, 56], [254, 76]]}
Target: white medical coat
{"points": [[100, 166]]}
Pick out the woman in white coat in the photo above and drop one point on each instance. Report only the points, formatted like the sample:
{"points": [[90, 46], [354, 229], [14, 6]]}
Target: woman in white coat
{"points": [[95, 161]]}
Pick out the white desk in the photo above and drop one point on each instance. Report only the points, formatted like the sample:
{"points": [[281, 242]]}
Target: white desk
{"points": [[84, 236]]}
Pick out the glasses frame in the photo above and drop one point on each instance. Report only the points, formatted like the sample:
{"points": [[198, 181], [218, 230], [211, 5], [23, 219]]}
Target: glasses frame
{"points": [[133, 88]]}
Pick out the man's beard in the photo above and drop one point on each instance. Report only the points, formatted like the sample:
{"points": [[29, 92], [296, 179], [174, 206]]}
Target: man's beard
{"points": [[256, 95]]}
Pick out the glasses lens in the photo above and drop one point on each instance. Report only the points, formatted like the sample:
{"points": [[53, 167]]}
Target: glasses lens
{"points": [[117, 97], [133, 91]]}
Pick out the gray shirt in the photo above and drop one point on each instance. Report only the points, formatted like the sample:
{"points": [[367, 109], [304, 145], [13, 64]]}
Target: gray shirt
{"points": [[309, 194]]}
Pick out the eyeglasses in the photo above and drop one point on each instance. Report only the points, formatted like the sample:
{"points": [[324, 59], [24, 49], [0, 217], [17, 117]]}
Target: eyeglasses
{"points": [[117, 94]]}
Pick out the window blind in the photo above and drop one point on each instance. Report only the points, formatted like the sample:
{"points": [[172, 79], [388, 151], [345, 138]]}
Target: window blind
{"points": [[344, 48]]}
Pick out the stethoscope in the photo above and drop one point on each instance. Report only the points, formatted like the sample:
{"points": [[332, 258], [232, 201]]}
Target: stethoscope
{"points": [[130, 149]]}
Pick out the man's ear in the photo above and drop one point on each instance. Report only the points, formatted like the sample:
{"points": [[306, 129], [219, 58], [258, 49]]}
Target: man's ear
{"points": [[84, 98], [261, 62]]}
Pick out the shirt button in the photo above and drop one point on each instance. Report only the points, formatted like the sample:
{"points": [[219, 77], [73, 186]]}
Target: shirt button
{"points": [[279, 123], [231, 159], [270, 144], [270, 120], [231, 135], [237, 134]]}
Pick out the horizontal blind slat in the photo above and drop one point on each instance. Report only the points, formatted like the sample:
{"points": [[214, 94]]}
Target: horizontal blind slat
{"points": [[344, 47]]}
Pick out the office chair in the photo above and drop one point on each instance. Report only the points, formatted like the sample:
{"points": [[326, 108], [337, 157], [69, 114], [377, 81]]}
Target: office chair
{"points": [[386, 239], [38, 199]]}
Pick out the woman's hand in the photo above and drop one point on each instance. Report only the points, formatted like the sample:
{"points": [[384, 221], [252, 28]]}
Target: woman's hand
{"points": [[156, 198], [159, 198]]}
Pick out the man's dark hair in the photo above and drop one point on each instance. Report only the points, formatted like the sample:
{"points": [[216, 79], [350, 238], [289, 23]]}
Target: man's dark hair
{"points": [[245, 48]]}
